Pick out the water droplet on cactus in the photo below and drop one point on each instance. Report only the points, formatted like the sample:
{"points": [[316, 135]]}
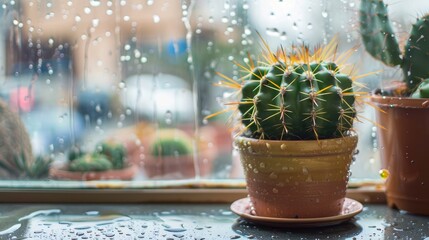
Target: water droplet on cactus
{"points": [[283, 146], [262, 165], [156, 19], [384, 173], [275, 190], [268, 145]]}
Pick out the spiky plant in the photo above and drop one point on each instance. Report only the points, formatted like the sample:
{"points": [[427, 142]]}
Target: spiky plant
{"points": [[37, 169], [296, 95], [91, 162], [380, 41], [114, 152], [171, 143]]}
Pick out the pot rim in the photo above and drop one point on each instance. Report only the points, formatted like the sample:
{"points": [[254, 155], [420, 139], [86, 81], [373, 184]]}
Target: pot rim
{"points": [[401, 102], [330, 146], [351, 135]]}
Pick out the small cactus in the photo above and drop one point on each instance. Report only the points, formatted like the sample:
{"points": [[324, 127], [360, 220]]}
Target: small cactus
{"points": [[380, 41], [172, 143], [91, 162], [115, 153], [15, 147], [296, 95], [75, 153]]}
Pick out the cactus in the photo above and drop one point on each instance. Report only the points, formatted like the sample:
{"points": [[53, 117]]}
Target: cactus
{"points": [[91, 162], [380, 41], [171, 143], [115, 153], [37, 169], [75, 153], [15, 147], [422, 91], [297, 97]]}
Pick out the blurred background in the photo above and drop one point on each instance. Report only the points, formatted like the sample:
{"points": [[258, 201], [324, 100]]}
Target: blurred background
{"points": [[142, 74]]}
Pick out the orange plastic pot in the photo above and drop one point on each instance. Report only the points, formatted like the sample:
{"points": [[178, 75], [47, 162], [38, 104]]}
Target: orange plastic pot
{"points": [[296, 179], [404, 151]]}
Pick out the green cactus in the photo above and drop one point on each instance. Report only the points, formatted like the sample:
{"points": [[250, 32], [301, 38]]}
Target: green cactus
{"points": [[91, 162], [37, 169], [380, 41], [297, 100], [115, 153], [423, 90], [75, 153], [171, 142]]}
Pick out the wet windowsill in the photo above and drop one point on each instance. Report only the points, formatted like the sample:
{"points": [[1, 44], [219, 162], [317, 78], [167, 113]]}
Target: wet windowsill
{"points": [[186, 221]]}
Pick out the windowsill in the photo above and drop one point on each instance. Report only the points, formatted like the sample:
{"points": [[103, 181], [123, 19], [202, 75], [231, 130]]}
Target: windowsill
{"points": [[186, 221], [203, 194]]}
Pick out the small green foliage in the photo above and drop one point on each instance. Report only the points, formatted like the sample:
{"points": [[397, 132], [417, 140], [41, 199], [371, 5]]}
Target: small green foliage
{"points": [[115, 153], [171, 147], [75, 153], [422, 91], [91, 162], [37, 169], [380, 41], [171, 142], [40, 167]]}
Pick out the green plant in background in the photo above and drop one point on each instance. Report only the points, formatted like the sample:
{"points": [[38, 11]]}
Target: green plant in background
{"points": [[296, 95], [23, 168], [75, 153], [91, 162], [380, 41], [171, 142], [114, 152], [106, 156]]}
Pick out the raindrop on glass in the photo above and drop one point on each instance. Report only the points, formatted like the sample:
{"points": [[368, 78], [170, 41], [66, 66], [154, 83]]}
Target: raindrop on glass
{"points": [[95, 3]]}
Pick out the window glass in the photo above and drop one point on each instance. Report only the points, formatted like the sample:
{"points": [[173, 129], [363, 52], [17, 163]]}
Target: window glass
{"points": [[120, 90]]}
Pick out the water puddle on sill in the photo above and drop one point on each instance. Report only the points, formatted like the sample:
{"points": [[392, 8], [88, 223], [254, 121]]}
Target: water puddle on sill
{"points": [[31, 223]]}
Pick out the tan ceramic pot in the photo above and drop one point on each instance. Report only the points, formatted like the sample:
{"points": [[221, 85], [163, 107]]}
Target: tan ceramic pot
{"points": [[404, 151], [296, 179]]}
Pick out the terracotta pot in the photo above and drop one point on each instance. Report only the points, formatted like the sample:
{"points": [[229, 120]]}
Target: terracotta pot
{"points": [[118, 174], [174, 167], [404, 151], [296, 179]]}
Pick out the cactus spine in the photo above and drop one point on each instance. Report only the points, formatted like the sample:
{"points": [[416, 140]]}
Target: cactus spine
{"points": [[380, 41], [298, 96]]}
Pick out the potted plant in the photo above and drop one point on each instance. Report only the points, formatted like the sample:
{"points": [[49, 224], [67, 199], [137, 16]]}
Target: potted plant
{"points": [[404, 108], [295, 142], [171, 156], [106, 162], [16, 159]]}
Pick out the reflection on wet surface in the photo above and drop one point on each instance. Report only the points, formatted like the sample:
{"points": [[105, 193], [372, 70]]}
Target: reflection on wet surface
{"points": [[182, 221]]}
